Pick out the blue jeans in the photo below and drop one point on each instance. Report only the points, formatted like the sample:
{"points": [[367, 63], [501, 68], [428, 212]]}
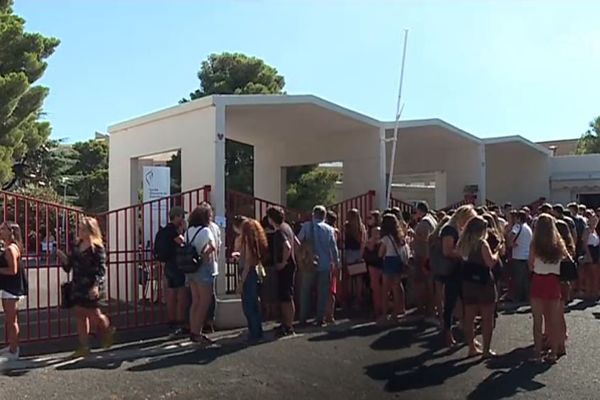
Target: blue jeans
{"points": [[250, 305], [322, 279]]}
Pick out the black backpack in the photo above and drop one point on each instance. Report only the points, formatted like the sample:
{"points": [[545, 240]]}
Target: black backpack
{"points": [[163, 250], [186, 255]]}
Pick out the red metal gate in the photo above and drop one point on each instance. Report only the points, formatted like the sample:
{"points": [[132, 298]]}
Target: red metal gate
{"points": [[133, 284], [45, 227]]}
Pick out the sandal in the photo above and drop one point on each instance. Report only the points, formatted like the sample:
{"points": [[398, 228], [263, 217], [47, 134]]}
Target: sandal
{"points": [[489, 354]]}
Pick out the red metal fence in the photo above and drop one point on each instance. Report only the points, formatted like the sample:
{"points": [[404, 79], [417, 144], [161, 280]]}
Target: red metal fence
{"points": [[134, 293], [402, 205], [133, 290], [45, 227]]}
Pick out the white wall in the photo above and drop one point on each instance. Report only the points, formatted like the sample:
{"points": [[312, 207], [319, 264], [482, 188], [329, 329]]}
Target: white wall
{"points": [[358, 150], [575, 164], [573, 175], [516, 173]]}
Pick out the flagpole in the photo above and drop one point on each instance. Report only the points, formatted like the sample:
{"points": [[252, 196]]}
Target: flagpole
{"points": [[399, 108]]}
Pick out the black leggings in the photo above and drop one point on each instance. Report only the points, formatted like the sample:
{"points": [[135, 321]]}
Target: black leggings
{"points": [[452, 292]]}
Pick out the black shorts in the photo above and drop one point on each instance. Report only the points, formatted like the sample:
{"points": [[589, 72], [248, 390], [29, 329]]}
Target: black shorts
{"points": [[285, 283], [175, 278]]}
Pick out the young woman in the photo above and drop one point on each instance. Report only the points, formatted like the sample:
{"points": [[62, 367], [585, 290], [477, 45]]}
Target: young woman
{"points": [[201, 282], [254, 250], [268, 293], [393, 250], [565, 287], [336, 278], [355, 239], [591, 241], [435, 249], [375, 265], [547, 251], [13, 285], [449, 236], [374, 219], [87, 262], [478, 288]]}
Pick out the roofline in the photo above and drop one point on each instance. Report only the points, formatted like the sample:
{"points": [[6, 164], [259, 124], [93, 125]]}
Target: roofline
{"points": [[519, 139], [419, 123], [276, 99], [241, 100], [168, 112]]}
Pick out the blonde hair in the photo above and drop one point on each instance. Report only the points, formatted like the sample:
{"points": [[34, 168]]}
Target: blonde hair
{"points": [[461, 215], [547, 243], [474, 234], [16, 237], [93, 228]]}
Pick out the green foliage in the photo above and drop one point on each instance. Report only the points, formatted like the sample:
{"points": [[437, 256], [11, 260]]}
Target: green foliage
{"points": [[88, 177], [235, 73], [22, 63], [316, 186], [590, 140], [175, 164]]}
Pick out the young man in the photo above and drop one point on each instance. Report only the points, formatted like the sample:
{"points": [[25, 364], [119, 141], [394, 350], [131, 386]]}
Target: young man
{"points": [[560, 213], [520, 238], [326, 251], [580, 225], [284, 244], [422, 278], [177, 295]]}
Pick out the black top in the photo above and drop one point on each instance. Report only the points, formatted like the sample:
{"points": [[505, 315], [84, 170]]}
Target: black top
{"points": [[13, 284], [171, 232], [351, 243], [449, 230], [280, 236]]}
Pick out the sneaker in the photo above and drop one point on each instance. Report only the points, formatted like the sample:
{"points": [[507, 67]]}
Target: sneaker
{"points": [[284, 331], [7, 355], [81, 352], [109, 338]]}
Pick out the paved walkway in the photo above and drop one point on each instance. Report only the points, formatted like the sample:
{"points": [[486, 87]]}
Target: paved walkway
{"points": [[352, 360]]}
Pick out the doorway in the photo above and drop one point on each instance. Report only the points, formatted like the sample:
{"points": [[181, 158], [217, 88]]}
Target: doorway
{"points": [[591, 200]]}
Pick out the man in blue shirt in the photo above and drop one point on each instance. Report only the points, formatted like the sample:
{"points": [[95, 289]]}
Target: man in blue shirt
{"points": [[325, 249]]}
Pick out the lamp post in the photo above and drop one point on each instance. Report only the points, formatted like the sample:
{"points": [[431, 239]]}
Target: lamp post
{"points": [[64, 181]]}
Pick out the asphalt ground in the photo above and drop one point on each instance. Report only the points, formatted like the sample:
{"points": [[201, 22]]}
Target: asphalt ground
{"points": [[355, 359]]}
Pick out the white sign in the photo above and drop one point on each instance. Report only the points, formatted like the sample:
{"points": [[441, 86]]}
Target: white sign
{"points": [[156, 186]]}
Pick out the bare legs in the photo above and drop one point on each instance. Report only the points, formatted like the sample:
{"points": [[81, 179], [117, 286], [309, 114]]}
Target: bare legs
{"points": [[375, 278], [201, 300], [87, 318], [11, 323]]}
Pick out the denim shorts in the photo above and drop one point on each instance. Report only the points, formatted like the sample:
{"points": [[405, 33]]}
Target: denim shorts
{"points": [[204, 276], [392, 265]]}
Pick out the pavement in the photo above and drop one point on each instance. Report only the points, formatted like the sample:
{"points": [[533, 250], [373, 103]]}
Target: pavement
{"points": [[355, 359]]}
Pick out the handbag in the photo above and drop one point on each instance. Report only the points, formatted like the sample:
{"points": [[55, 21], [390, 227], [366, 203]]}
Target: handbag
{"points": [[66, 295], [568, 271], [357, 268]]}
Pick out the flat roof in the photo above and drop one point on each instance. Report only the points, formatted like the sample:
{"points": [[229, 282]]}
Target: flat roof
{"points": [[517, 139]]}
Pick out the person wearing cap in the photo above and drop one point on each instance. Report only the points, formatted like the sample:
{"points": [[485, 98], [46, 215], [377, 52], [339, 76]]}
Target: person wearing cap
{"points": [[177, 296]]}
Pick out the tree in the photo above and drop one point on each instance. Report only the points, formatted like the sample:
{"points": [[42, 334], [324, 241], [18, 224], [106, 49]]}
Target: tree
{"points": [[313, 187], [22, 63], [590, 140], [235, 73], [88, 177]]}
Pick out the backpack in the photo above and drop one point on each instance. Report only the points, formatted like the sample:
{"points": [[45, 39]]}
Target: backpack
{"points": [[186, 255], [163, 250], [440, 265]]}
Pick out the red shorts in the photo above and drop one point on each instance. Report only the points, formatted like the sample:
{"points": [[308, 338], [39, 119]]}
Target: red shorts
{"points": [[333, 284], [545, 287]]}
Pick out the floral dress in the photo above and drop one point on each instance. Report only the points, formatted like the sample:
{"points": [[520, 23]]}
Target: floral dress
{"points": [[89, 268]]}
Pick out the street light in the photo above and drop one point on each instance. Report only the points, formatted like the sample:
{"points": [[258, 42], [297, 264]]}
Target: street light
{"points": [[64, 181]]}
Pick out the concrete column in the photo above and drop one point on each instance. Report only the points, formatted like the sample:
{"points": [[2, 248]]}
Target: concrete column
{"points": [[218, 189], [441, 190]]}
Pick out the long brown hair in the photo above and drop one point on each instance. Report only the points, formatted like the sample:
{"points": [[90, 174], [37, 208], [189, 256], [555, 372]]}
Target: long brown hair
{"points": [[354, 225], [473, 236], [565, 234], [546, 242], [254, 240], [390, 226]]}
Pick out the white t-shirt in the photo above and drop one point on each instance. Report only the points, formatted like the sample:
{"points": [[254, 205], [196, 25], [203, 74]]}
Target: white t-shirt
{"points": [[543, 268], [520, 250], [200, 241], [392, 249], [593, 239]]}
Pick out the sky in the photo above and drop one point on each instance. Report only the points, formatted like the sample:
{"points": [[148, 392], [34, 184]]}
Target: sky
{"points": [[491, 68]]}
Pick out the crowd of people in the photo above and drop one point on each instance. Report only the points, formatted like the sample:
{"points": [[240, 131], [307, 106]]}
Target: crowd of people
{"points": [[452, 269]]}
